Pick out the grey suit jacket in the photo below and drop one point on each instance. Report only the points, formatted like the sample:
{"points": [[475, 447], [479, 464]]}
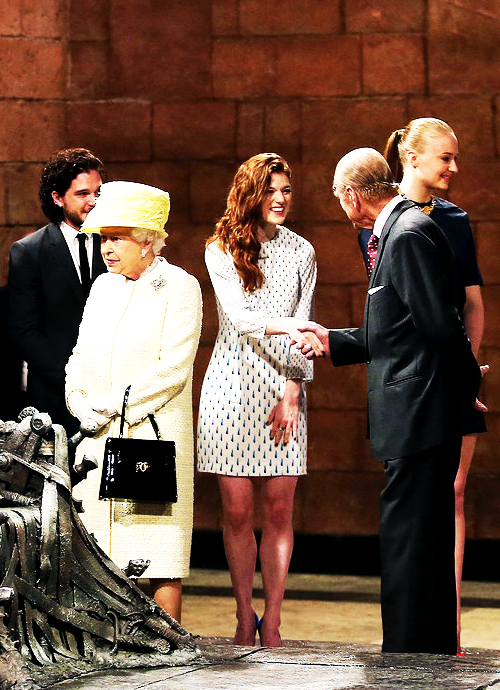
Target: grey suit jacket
{"points": [[422, 375]]}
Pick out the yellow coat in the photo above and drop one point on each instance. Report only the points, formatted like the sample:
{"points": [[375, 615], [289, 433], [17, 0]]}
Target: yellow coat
{"points": [[144, 333]]}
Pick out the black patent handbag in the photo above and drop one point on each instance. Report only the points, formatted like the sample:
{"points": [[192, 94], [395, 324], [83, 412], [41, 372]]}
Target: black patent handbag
{"points": [[139, 469]]}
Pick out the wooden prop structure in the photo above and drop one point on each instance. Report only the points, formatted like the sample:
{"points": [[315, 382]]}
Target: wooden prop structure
{"points": [[65, 607]]}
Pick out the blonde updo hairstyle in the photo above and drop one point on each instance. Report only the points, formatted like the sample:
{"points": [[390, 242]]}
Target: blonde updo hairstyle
{"points": [[413, 137]]}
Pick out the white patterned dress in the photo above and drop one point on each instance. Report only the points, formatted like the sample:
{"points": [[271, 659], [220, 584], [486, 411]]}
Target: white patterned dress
{"points": [[248, 370]]}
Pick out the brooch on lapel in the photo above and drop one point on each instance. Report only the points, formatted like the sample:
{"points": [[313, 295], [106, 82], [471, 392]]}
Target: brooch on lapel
{"points": [[158, 283]]}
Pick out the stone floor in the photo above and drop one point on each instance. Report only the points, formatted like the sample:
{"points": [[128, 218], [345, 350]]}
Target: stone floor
{"points": [[331, 627]]}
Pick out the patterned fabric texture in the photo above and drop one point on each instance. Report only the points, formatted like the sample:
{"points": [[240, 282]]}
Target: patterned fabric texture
{"points": [[247, 373], [142, 332]]}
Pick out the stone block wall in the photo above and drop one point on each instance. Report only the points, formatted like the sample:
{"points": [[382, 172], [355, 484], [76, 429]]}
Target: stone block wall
{"points": [[176, 94]]}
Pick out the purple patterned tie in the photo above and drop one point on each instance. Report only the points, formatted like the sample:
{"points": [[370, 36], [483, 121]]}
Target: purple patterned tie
{"points": [[371, 250]]}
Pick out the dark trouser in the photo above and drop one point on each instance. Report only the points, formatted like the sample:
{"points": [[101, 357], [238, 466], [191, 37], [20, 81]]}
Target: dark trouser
{"points": [[417, 545]]}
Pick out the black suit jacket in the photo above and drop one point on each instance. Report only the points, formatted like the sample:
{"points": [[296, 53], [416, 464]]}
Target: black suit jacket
{"points": [[422, 375], [46, 304]]}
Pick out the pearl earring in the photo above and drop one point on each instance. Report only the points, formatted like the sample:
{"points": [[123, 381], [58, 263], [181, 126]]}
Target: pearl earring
{"points": [[143, 253]]}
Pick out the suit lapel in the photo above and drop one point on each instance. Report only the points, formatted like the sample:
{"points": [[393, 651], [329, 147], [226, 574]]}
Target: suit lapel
{"points": [[62, 258], [394, 215], [400, 208]]}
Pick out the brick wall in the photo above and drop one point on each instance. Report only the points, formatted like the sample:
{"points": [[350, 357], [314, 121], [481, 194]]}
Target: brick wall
{"points": [[177, 93]]}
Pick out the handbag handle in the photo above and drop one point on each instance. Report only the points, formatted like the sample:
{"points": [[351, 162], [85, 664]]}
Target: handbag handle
{"points": [[151, 417]]}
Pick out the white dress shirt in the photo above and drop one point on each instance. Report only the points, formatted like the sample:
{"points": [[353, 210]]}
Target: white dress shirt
{"points": [[71, 237]]}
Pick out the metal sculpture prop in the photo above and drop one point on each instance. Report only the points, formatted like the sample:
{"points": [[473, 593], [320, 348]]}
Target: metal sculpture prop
{"points": [[65, 607]]}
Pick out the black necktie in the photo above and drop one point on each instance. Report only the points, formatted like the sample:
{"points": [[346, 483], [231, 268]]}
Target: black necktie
{"points": [[84, 263]]}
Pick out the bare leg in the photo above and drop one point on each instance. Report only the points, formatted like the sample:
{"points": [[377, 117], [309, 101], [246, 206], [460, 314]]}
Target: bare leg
{"points": [[241, 550], [275, 552], [468, 445], [168, 595]]}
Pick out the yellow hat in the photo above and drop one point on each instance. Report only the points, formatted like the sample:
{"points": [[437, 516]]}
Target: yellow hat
{"points": [[129, 205]]}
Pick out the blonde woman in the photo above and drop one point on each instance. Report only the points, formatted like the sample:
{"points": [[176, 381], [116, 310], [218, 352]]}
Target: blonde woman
{"points": [[423, 159]]}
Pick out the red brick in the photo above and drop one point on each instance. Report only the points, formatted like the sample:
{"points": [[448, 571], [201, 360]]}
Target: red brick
{"points": [[332, 305], [3, 202], [113, 130], [337, 440], [463, 47], [23, 207], [318, 202], [473, 190], [185, 247], [318, 66], [225, 17], [244, 67], [161, 53], [487, 507], [173, 177], [8, 236], [250, 132], [393, 64], [10, 142], [88, 70], [43, 18], [32, 69], [194, 129], [207, 503], [491, 297], [209, 186], [358, 301], [89, 20], [11, 18], [490, 389], [31, 130], [391, 16], [42, 129], [338, 255], [283, 129], [210, 317], [338, 388], [487, 240], [333, 127], [485, 461], [289, 17], [340, 503], [474, 142]]}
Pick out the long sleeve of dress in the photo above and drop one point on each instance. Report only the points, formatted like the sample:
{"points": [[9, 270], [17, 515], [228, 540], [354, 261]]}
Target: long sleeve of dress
{"points": [[233, 300], [289, 267]]}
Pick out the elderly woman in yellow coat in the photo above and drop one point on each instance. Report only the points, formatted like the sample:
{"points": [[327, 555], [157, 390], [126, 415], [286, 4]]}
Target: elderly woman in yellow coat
{"points": [[140, 327]]}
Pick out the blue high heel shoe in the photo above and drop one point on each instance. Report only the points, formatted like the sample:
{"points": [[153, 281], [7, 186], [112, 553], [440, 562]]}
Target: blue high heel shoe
{"points": [[258, 623]]}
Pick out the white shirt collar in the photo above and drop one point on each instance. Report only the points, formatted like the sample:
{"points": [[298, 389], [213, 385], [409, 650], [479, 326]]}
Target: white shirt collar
{"points": [[384, 215], [69, 232]]}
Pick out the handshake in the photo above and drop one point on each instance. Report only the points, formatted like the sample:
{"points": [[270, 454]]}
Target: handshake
{"points": [[312, 340]]}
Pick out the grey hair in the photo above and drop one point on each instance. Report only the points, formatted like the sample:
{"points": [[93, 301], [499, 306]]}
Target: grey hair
{"points": [[143, 235], [367, 172]]}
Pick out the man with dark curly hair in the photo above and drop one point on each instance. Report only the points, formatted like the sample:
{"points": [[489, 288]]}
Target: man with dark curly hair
{"points": [[50, 275]]}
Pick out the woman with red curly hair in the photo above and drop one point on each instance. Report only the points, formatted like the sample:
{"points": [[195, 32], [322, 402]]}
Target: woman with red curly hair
{"points": [[252, 429]]}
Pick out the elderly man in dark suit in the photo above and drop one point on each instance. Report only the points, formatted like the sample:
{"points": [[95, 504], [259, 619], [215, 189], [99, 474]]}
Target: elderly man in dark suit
{"points": [[50, 274], [422, 376]]}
